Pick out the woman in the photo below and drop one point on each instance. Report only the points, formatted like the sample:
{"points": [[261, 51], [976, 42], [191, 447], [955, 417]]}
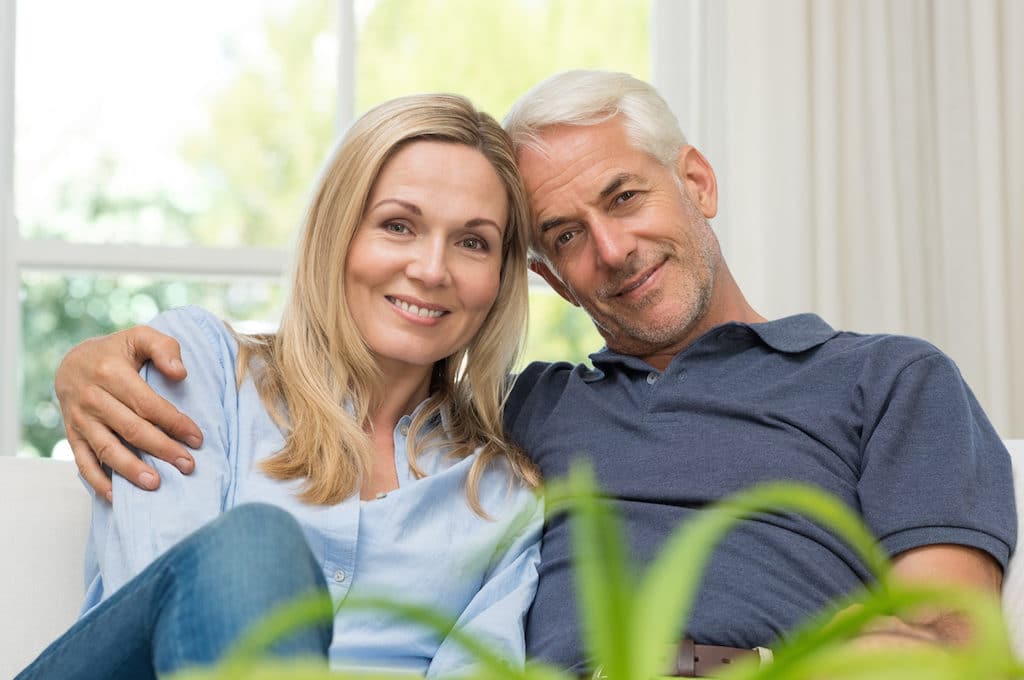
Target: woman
{"points": [[372, 417]]}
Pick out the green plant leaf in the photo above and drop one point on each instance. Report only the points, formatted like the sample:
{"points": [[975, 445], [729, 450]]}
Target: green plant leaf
{"points": [[627, 630], [666, 592], [603, 586]]}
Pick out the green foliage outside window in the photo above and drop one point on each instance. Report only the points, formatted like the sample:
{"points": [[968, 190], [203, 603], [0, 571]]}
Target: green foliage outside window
{"points": [[267, 133]]}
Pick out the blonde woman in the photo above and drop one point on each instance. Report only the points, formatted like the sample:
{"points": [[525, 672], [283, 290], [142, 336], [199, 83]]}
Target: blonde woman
{"points": [[359, 448]]}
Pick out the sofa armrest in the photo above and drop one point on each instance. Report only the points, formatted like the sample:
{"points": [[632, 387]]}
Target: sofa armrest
{"points": [[44, 522]]}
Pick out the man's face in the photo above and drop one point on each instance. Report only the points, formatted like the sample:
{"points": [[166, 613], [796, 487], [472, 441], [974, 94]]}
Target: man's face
{"points": [[621, 236]]}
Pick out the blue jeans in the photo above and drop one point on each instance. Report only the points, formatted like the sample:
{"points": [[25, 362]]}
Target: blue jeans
{"points": [[189, 605]]}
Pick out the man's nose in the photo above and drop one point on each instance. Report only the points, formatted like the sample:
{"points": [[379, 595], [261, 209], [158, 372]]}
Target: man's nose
{"points": [[429, 264], [614, 242]]}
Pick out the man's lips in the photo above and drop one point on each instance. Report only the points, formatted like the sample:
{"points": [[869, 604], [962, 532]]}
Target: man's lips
{"points": [[418, 308], [637, 282]]}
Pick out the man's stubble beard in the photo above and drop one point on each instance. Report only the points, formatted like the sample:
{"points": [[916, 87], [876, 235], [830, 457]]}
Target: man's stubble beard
{"points": [[629, 334]]}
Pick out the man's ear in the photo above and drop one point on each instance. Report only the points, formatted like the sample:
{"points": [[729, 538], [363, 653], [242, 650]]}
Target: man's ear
{"points": [[538, 267], [698, 179]]}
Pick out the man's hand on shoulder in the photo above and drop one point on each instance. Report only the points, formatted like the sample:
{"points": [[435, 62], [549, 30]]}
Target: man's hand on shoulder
{"points": [[104, 400]]}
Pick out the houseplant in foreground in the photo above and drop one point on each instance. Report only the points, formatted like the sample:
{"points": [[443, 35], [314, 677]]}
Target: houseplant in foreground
{"points": [[628, 624]]}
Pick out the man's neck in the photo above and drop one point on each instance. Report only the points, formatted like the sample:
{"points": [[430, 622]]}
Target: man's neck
{"points": [[727, 305]]}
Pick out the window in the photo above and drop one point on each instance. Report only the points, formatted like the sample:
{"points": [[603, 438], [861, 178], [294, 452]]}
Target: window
{"points": [[161, 156]]}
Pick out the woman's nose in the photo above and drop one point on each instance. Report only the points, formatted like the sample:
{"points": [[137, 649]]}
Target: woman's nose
{"points": [[429, 264]]}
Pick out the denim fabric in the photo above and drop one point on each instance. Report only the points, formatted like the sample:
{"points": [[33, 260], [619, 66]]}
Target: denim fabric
{"points": [[192, 603]]}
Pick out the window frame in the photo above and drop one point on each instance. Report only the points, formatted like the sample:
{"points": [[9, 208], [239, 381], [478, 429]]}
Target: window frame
{"points": [[677, 75]]}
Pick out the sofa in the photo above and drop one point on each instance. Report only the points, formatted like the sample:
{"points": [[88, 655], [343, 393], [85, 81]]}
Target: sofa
{"points": [[44, 520]]}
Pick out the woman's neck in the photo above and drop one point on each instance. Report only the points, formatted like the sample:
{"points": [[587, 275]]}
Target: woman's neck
{"points": [[402, 391]]}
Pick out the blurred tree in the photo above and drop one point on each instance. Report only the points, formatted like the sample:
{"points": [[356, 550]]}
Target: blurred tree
{"points": [[62, 310], [269, 130], [494, 51]]}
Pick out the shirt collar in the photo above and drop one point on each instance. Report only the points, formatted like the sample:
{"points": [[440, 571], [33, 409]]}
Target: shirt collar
{"points": [[790, 335], [440, 418], [793, 334]]}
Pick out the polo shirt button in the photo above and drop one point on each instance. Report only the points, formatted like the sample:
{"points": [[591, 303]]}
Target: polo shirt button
{"points": [[404, 429], [339, 576], [652, 377]]}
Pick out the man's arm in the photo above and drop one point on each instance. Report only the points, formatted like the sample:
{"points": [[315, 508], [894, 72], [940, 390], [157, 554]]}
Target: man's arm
{"points": [[935, 565], [103, 398]]}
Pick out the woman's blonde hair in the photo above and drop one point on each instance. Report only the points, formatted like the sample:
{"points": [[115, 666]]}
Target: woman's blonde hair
{"points": [[316, 375]]}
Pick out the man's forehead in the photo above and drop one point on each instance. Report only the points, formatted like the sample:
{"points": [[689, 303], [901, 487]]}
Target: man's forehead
{"points": [[564, 141], [585, 160]]}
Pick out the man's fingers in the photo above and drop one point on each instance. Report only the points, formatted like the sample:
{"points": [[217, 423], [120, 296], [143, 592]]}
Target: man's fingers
{"points": [[112, 415], [177, 426], [89, 467], [111, 452], [123, 387], [144, 343]]}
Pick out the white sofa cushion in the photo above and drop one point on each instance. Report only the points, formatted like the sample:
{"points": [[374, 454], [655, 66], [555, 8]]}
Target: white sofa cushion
{"points": [[44, 522]]}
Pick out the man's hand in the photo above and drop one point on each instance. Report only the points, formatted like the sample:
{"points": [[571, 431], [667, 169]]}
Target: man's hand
{"points": [[102, 396], [933, 565]]}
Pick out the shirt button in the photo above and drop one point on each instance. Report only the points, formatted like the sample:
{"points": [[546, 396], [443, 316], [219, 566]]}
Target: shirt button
{"points": [[339, 576], [652, 377], [404, 429]]}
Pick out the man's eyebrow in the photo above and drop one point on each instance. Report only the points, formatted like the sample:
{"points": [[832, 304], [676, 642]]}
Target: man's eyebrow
{"points": [[411, 207], [547, 225], [614, 185], [617, 183]]}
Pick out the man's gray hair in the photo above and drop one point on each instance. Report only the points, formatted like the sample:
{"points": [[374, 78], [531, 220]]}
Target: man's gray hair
{"points": [[590, 98]]}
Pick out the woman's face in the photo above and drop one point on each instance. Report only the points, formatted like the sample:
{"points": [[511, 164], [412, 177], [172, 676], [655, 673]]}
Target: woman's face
{"points": [[424, 265]]}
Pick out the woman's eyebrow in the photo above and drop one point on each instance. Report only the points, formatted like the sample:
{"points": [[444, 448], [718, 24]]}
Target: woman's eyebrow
{"points": [[411, 207], [483, 222]]}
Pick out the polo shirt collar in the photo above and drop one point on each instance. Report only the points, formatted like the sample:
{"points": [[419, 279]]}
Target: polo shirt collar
{"points": [[793, 334], [790, 335]]}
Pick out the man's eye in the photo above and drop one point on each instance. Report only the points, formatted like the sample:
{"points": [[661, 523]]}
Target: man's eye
{"points": [[564, 238], [624, 197]]}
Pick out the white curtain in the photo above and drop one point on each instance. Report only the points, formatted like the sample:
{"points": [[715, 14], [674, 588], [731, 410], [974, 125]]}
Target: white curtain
{"points": [[870, 157]]}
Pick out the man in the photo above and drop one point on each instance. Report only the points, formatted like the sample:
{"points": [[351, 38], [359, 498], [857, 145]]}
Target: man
{"points": [[695, 396]]}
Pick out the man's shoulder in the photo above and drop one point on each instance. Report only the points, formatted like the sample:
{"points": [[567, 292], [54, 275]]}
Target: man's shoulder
{"points": [[806, 332], [543, 372], [883, 346], [538, 387]]}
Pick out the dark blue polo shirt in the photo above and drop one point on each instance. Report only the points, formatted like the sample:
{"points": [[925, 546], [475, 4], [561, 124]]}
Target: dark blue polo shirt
{"points": [[885, 423]]}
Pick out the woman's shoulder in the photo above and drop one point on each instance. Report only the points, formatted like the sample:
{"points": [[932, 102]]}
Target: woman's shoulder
{"points": [[205, 340], [189, 321]]}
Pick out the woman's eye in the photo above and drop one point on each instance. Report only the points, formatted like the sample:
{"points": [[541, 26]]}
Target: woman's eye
{"points": [[396, 228], [474, 243]]}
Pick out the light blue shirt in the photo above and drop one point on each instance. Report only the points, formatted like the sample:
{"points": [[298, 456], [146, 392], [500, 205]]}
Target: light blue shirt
{"points": [[421, 543]]}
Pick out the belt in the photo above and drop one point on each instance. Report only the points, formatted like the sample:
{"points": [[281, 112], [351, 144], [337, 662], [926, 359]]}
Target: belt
{"points": [[692, 660], [702, 661]]}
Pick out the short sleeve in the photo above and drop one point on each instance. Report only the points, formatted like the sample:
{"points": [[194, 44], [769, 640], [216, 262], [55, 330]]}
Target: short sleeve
{"points": [[934, 470]]}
